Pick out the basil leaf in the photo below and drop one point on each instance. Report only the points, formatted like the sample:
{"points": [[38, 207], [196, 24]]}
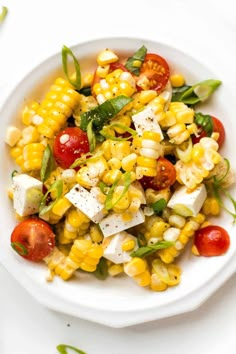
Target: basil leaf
{"points": [[106, 111], [147, 250], [47, 164], [86, 91], [159, 205], [3, 13], [204, 121], [199, 92], [134, 63], [101, 271], [57, 187], [127, 182], [62, 349], [77, 81]]}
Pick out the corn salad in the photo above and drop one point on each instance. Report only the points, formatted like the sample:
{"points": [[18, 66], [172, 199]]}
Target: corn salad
{"points": [[121, 168]]}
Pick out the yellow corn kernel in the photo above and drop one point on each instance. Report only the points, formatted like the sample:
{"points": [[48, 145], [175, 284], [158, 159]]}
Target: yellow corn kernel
{"points": [[28, 113], [157, 284], [145, 171], [165, 256], [128, 162], [197, 154], [12, 136], [143, 279], [61, 206], [128, 245], [102, 71], [205, 223], [114, 163], [106, 57], [168, 119], [158, 228], [111, 176], [146, 162], [152, 136], [95, 233], [115, 269], [183, 238], [199, 218], [123, 119], [135, 266], [211, 206], [177, 80]]}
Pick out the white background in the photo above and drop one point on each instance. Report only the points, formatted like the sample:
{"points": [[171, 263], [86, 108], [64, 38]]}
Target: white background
{"points": [[33, 30]]}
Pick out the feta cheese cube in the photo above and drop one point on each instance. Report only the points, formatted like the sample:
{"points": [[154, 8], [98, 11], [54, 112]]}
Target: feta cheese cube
{"points": [[114, 222], [187, 203], [27, 194], [146, 120], [87, 202], [113, 247]]}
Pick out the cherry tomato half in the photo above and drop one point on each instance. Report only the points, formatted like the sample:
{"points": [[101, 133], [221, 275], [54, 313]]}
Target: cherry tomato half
{"points": [[156, 70], [33, 239], [69, 145], [217, 127], [166, 176], [211, 240]]}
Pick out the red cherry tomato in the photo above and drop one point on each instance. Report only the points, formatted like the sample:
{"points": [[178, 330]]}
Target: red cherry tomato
{"points": [[211, 240], [69, 145], [166, 176], [217, 127], [156, 70], [33, 239]]}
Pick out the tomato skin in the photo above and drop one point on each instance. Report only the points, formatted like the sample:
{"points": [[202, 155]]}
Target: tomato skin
{"points": [[69, 145], [157, 70], [35, 236], [217, 127], [166, 176], [211, 241]]}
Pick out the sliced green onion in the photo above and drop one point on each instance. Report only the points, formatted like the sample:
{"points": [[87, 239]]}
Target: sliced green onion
{"points": [[19, 248], [217, 181], [141, 240], [121, 126], [127, 181], [216, 192], [91, 136], [47, 164], [84, 159], [77, 81], [104, 187], [185, 155], [56, 187], [147, 250], [63, 349], [14, 173], [3, 13]]}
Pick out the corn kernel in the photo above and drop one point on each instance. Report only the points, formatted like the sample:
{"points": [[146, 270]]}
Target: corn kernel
{"points": [[177, 80], [128, 245]]}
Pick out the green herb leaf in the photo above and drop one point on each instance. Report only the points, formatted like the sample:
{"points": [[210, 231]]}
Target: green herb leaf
{"points": [[101, 271], [101, 114], [77, 81], [199, 92], [86, 91], [19, 248], [127, 181], [14, 173], [147, 250], [159, 205], [134, 63], [3, 13], [205, 121], [62, 349], [56, 187], [47, 164]]}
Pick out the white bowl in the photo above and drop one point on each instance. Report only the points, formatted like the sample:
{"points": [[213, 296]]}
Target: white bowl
{"points": [[116, 302]]}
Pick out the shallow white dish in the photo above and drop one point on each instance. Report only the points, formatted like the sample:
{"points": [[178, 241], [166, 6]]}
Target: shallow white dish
{"points": [[116, 302]]}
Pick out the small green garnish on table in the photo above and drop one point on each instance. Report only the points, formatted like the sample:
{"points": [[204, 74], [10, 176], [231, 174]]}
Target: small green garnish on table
{"points": [[3, 13], [63, 349]]}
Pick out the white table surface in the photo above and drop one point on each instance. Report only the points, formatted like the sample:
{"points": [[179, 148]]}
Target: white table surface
{"points": [[33, 30]]}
